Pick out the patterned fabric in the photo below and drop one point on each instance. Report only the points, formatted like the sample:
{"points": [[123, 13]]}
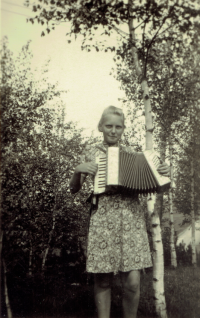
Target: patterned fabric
{"points": [[117, 239]]}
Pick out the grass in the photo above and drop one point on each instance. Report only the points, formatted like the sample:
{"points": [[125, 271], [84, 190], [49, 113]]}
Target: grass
{"points": [[182, 291]]}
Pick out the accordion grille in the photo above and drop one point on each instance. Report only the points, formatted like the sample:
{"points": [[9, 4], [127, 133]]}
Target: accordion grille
{"points": [[132, 172], [135, 173]]}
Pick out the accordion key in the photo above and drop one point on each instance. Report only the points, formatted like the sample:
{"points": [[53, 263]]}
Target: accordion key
{"points": [[132, 172]]}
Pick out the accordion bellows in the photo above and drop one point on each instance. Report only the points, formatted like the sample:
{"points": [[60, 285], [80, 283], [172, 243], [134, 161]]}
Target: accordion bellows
{"points": [[132, 172]]}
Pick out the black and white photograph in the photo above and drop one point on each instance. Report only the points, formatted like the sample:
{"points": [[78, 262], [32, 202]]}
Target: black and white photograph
{"points": [[100, 159]]}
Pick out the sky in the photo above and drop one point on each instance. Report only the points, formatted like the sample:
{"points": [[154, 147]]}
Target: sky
{"points": [[85, 75]]}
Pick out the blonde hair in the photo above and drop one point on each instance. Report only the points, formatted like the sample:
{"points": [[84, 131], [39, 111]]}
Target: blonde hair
{"points": [[111, 110]]}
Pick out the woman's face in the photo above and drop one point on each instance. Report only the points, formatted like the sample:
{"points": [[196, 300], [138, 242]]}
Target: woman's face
{"points": [[112, 128]]}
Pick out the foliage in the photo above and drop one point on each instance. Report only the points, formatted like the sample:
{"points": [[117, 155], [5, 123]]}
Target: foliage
{"points": [[87, 16], [168, 31], [39, 151], [169, 85], [183, 190], [174, 86], [184, 255], [40, 218]]}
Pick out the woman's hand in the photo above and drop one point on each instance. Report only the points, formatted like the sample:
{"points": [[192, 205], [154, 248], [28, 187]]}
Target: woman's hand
{"points": [[164, 169], [87, 167]]}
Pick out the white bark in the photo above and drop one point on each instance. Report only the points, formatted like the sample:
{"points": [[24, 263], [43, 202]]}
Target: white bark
{"points": [[159, 197], [158, 260], [194, 256], [49, 241], [172, 232], [60, 123], [7, 300]]}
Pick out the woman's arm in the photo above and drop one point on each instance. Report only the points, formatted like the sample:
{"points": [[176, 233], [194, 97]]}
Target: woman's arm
{"points": [[76, 182], [80, 173]]}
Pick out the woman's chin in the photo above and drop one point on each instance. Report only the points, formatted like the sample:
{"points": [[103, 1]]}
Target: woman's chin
{"points": [[111, 140]]}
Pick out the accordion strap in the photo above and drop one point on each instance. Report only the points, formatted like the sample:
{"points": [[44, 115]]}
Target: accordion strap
{"points": [[101, 148], [93, 200]]}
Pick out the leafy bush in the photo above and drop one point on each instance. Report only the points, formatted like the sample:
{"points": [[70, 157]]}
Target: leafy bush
{"points": [[184, 254]]}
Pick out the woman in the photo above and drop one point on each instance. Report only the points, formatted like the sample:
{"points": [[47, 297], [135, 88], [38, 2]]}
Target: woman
{"points": [[117, 239]]}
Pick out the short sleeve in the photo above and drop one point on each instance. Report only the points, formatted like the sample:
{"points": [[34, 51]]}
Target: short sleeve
{"points": [[88, 154]]}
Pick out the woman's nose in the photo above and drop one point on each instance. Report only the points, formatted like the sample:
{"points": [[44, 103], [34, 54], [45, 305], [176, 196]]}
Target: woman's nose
{"points": [[113, 130]]}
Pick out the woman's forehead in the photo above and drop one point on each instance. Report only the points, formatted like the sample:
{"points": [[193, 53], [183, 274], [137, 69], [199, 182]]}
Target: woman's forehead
{"points": [[113, 119]]}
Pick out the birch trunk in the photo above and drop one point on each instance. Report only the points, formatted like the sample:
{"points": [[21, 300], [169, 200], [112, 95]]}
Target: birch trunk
{"points": [[172, 232], [194, 257], [158, 261], [49, 241], [193, 145], [7, 300], [60, 125], [159, 197]]}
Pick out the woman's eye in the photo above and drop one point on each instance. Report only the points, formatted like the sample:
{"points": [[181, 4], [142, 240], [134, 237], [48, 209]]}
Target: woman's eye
{"points": [[108, 126]]}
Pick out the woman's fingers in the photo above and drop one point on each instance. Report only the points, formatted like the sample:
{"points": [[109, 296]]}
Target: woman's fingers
{"points": [[163, 169], [92, 168], [87, 167]]}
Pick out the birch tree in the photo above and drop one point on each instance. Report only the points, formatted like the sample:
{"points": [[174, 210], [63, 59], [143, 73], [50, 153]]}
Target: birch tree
{"points": [[6, 293], [195, 117], [168, 107], [194, 154], [170, 87], [158, 268], [172, 230], [154, 18], [188, 172], [55, 155], [28, 137], [187, 189], [36, 165]]}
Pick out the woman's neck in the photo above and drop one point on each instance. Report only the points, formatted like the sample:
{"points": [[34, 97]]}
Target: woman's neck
{"points": [[111, 145]]}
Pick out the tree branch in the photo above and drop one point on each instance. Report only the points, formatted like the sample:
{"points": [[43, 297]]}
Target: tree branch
{"points": [[149, 46]]}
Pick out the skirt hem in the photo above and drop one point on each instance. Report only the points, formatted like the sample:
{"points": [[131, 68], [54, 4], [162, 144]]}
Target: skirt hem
{"points": [[119, 270]]}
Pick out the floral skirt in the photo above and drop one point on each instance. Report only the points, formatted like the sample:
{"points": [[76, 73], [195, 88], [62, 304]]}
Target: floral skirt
{"points": [[117, 239]]}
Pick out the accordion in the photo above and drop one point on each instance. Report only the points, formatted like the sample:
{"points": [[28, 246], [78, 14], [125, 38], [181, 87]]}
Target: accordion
{"points": [[134, 173]]}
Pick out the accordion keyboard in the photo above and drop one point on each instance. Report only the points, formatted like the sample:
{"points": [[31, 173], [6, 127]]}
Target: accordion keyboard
{"points": [[100, 178]]}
